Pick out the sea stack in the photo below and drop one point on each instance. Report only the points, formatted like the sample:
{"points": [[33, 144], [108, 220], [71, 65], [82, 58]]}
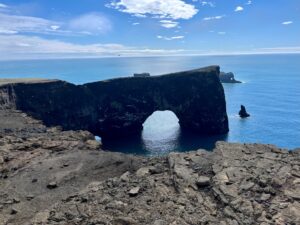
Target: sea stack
{"points": [[243, 113], [228, 78]]}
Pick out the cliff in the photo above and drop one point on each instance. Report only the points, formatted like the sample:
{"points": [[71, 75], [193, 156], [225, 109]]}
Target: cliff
{"points": [[119, 107]]}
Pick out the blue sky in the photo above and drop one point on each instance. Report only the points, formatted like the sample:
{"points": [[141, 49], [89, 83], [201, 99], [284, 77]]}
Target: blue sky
{"points": [[96, 28]]}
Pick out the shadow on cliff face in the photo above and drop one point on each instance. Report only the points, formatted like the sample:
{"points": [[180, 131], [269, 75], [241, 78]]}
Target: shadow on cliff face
{"points": [[161, 135]]}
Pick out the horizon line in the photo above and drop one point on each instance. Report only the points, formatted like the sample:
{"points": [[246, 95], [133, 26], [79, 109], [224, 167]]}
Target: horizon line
{"points": [[146, 56]]}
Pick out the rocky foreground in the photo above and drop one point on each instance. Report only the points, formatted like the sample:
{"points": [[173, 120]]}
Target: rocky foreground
{"points": [[49, 176]]}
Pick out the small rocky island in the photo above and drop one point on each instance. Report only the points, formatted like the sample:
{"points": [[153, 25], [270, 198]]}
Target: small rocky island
{"points": [[55, 175], [228, 78], [243, 112]]}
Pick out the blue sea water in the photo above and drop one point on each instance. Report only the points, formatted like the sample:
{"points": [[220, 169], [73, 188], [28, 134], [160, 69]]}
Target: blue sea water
{"points": [[270, 91]]}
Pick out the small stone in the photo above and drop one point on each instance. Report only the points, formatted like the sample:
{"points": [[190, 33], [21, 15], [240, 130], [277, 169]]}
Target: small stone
{"points": [[125, 177], [142, 171], [29, 197], [16, 200], [265, 197], [296, 181], [134, 191], [84, 199], [156, 170], [247, 186], [13, 211], [295, 194], [203, 181], [52, 185], [34, 180]]}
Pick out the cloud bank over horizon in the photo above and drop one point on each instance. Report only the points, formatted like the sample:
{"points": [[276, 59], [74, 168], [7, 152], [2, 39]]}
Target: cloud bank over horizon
{"points": [[146, 28]]}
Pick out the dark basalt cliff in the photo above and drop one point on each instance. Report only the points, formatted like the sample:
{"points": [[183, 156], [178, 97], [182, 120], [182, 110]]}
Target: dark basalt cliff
{"points": [[119, 107]]}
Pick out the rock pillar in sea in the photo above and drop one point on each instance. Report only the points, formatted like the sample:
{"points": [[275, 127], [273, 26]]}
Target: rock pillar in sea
{"points": [[243, 112]]}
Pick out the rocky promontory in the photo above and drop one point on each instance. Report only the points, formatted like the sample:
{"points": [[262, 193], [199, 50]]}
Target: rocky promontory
{"points": [[50, 176], [119, 107]]}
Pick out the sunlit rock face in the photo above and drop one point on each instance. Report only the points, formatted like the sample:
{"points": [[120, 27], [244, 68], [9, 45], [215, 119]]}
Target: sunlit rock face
{"points": [[119, 107]]}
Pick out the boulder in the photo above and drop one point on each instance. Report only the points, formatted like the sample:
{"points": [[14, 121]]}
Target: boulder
{"points": [[243, 113], [134, 191], [203, 181], [52, 185]]}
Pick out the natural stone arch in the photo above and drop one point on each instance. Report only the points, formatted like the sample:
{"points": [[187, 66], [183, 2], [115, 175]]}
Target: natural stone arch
{"points": [[196, 97], [119, 107]]}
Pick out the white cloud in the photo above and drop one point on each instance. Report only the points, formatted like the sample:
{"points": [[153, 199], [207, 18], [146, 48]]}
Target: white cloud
{"points": [[3, 31], [238, 9], [169, 38], [22, 47], [168, 23], [25, 24], [205, 3], [221, 33], [3, 5], [214, 18], [91, 23], [55, 27], [249, 3], [287, 22], [134, 24], [171, 9]]}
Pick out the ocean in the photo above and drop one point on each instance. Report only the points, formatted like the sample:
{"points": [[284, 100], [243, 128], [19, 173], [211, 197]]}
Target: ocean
{"points": [[270, 91]]}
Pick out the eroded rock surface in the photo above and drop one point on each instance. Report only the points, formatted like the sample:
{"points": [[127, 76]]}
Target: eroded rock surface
{"points": [[239, 184], [234, 184], [40, 166]]}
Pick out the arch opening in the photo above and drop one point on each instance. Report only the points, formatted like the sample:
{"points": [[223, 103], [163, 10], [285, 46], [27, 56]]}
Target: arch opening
{"points": [[161, 132]]}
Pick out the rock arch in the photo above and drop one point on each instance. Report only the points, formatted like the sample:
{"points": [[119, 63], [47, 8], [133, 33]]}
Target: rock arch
{"points": [[119, 107]]}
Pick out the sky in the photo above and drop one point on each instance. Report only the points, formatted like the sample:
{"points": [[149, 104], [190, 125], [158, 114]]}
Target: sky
{"points": [[106, 28]]}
